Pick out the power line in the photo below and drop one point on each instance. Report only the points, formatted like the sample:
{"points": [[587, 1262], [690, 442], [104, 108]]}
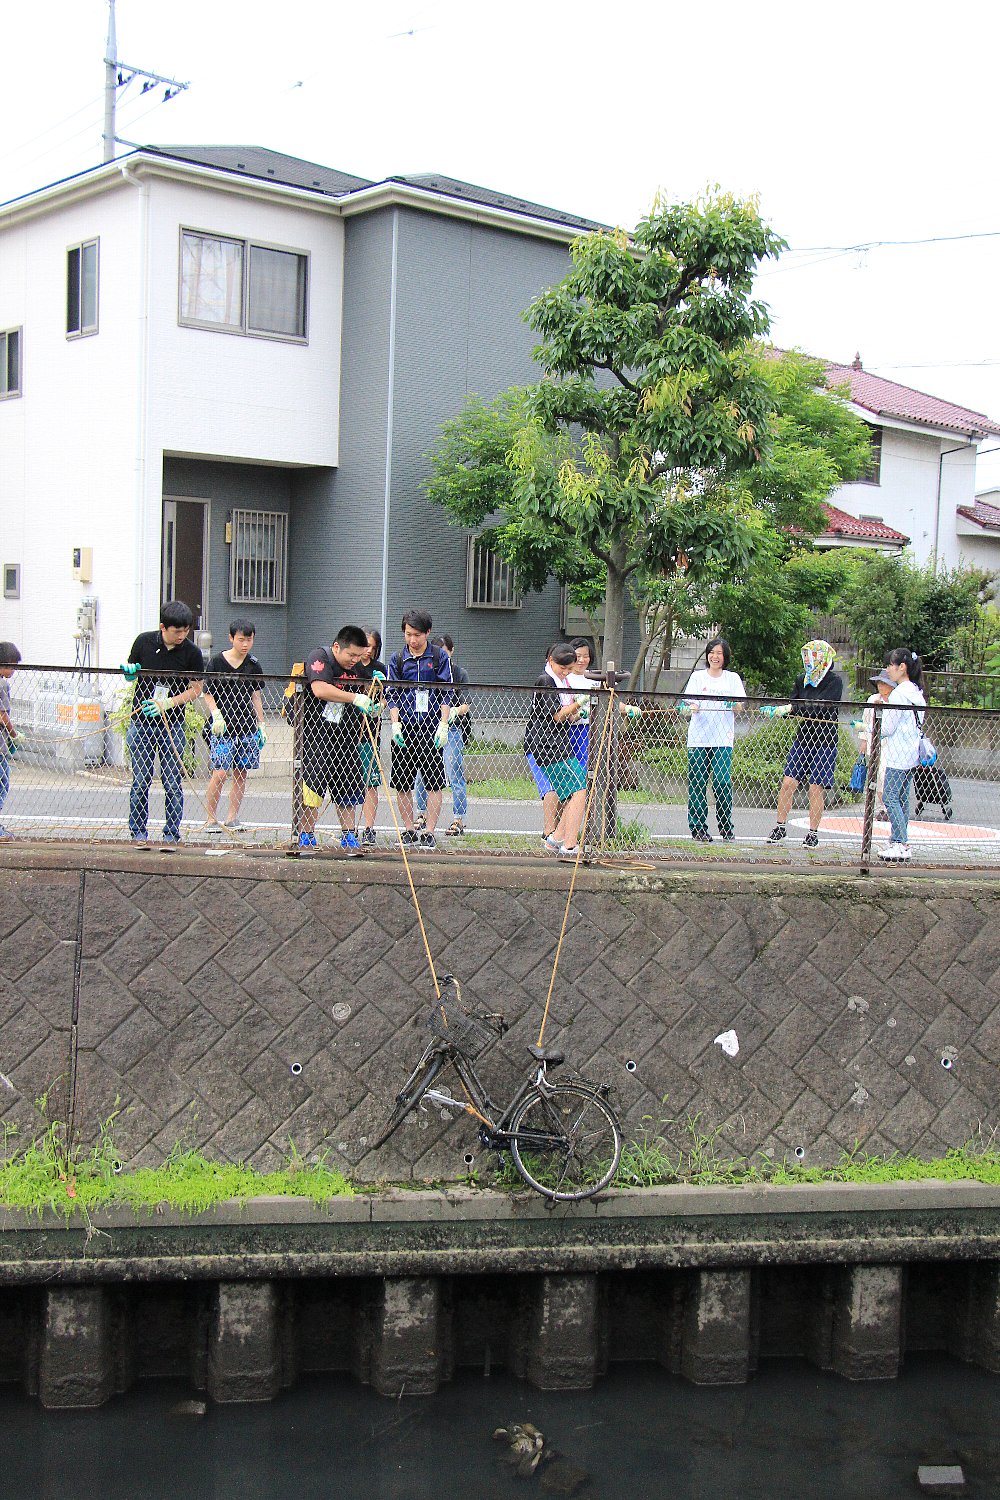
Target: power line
{"points": [[930, 239]]}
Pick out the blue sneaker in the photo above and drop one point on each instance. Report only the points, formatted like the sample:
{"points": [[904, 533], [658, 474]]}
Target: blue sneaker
{"points": [[307, 841], [349, 843]]}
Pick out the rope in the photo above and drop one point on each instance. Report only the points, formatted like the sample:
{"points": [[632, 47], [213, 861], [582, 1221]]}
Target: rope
{"points": [[581, 840]]}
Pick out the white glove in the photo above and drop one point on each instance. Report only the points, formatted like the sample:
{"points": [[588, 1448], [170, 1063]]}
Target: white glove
{"points": [[218, 724]]}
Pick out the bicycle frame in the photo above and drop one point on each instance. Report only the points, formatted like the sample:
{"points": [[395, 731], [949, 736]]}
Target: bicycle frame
{"points": [[483, 1107]]}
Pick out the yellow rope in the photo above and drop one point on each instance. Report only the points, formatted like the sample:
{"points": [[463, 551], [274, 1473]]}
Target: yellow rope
{"points": [[581, 840]]}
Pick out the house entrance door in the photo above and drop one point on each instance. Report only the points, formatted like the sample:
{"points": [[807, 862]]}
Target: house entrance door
{"points": [[184, 556]]}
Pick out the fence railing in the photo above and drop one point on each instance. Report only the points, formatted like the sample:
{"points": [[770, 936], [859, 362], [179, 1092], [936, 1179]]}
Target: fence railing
{"points": [[654, 781], [954, 689]]}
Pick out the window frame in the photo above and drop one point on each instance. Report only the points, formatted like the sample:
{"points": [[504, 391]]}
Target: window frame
{"points": [[873, 472], [246, 243], [279, 596], [473, 546], [6, 394], [85, 330]]}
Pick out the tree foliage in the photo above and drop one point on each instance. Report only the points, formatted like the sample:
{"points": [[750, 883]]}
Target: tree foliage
{"points": [[888, 602]]}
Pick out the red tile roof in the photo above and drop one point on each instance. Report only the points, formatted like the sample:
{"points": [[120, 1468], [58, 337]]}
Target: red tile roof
{"points": [[888, 399], [984, 514], [851, 528]]}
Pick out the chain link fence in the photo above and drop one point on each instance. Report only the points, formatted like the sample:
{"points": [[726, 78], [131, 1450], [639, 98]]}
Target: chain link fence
{"points": [[651, 783]]}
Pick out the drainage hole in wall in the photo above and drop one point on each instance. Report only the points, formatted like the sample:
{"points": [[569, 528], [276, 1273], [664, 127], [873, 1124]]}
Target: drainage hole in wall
{"points": [[295, 1069], [630, 1066], [800, 1152], [468, 1158], [116, 1167], [946, 1062]]}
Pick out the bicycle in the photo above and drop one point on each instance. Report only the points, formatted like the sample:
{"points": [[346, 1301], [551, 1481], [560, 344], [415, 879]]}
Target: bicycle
{"points": [[564, 1138]]}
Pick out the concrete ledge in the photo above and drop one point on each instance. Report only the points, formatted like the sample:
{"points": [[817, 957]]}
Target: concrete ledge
{"points": [[465, 1232]]}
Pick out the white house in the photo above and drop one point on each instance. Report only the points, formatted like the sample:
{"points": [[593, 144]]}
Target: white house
{"points": [[922, 477]]}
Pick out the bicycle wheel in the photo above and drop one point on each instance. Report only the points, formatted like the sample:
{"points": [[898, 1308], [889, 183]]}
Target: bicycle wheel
{"points": [[566, 1143], [409, 1095]]}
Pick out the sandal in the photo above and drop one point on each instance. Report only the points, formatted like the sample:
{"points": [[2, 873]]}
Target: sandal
{"points": [[455, 830]]}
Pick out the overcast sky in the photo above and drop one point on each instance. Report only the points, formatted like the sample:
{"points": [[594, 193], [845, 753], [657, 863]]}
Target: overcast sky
{"points": [[854, 123]]}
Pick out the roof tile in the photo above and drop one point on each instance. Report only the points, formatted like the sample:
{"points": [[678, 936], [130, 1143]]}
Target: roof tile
{"points": [[886, 398]]}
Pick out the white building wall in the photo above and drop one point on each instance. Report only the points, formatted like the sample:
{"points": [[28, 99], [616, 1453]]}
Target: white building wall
{"points": [[231, 396], [906, 496], [67, 446]]}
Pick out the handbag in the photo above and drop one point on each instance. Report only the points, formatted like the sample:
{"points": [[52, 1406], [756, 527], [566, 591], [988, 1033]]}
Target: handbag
{"points": [[859, 774]]}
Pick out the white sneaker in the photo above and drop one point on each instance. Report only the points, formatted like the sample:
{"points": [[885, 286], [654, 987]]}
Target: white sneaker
{"points": [[894, 853]]}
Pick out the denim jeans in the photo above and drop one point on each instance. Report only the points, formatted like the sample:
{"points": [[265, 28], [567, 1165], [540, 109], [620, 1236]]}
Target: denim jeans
{"points": [[147, 738], [454, 769], [717, 761], [897, 801]]}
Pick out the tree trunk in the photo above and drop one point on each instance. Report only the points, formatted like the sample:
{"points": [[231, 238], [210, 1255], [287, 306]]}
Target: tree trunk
{"points": [[614, 609]]}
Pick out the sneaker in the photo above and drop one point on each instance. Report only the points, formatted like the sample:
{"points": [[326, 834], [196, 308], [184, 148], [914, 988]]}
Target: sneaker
{"points": [[455, 830], [895, 853], [349, 843], [419, 823], [212, 830], [368, 836], [551, 845], [570, 853], [811, 840], [778, 832], [142, 843], [236, 825], [702, 836], [5, 833], [409, 837], [307, 841], [426, 841], [728, 838]]}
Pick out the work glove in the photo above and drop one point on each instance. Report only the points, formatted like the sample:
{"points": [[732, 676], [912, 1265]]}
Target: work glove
{"points": [[218, 724], [261, 737], [129, 670], [397, 737], [684, 707], [15, 742], [632, 711], [441, 736], [729, 703], [775, 710], [378, 677], [583, 707], [363, 703], [151, 709]]}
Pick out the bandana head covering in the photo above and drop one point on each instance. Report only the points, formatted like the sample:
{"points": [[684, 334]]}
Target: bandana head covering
{"points": [[817, 659]]}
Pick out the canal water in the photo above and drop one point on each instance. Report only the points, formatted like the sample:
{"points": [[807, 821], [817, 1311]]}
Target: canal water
{"points": [[790, 1434]]}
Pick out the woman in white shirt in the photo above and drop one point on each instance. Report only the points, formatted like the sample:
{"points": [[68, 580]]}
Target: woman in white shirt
{"points": [[900, 748], [710, 740]]}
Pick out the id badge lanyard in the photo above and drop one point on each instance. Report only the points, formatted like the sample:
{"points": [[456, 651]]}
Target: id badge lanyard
{"points": [[421, 696]]}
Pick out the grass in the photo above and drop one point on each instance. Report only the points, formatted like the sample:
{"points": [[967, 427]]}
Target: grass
{"points": [[653, 1161], [41, 1176]]}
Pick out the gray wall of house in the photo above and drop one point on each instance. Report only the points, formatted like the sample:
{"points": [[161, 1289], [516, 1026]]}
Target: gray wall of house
{"points": [[228, 486], [461, 290]]}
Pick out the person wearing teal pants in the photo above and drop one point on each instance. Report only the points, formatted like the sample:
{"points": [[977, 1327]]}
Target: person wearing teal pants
{"points": [[711, 697]]}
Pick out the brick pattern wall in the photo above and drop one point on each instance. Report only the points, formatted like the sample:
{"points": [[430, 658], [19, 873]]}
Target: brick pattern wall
{"points": [[198, 994]]}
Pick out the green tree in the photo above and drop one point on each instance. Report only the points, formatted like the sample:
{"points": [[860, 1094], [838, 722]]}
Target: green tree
{"points": [[889, 602]]}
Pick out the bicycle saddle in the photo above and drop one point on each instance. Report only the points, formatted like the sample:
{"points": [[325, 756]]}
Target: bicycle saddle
{"points": [[547, 1055]]}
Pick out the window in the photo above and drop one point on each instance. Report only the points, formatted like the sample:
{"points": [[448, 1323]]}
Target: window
{"points": [[10, 363], [237, 286], [258, 557], [873, 470], [81, 289], [489, 581]]}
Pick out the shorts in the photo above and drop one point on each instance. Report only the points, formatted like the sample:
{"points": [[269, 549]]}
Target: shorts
{"points": [[418, 754], [579, 737], [812, 760], [542, 782], [567, 777], [333, 767], [235, 752], [369, 765]]}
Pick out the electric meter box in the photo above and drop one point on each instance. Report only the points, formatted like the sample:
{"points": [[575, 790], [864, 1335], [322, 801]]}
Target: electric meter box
{"points": [[83, 564]]}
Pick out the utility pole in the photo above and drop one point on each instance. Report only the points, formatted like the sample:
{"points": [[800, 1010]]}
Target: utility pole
{"points": [[116, 75]]}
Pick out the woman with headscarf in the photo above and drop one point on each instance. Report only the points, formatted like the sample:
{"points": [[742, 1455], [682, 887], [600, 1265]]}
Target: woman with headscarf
{"points": [[812, 756]]}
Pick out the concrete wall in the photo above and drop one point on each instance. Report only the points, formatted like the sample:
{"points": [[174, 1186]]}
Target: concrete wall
{"points": [[201, 987]]}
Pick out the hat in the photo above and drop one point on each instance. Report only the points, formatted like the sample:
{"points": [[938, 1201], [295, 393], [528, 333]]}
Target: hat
{"points": [[883, 676]]}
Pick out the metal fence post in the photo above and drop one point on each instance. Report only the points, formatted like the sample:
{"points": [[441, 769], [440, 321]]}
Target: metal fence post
{"points": [[298, 716], [871, 790], [602, 743]]}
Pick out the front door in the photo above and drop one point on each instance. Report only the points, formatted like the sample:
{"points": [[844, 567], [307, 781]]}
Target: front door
{"points": [[185, 554]]}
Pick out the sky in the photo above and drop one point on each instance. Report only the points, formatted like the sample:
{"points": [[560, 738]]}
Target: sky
{"points": [[861, 128]]}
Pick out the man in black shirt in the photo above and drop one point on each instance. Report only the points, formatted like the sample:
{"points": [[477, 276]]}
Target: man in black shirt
{"points": [[167, 670], [332, 718], [233, 699]]}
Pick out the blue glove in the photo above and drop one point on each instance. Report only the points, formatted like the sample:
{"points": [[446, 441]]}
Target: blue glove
{"points": [[129, 670], [261, 737], [397, 737], [776, 710], [151, 709], [378, 677]]}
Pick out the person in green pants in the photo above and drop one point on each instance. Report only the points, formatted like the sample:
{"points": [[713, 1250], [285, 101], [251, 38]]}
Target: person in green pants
{"points": [[712, 697]]}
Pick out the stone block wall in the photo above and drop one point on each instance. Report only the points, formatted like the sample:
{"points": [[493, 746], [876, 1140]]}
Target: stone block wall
{"points": [[249, 1006]]}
